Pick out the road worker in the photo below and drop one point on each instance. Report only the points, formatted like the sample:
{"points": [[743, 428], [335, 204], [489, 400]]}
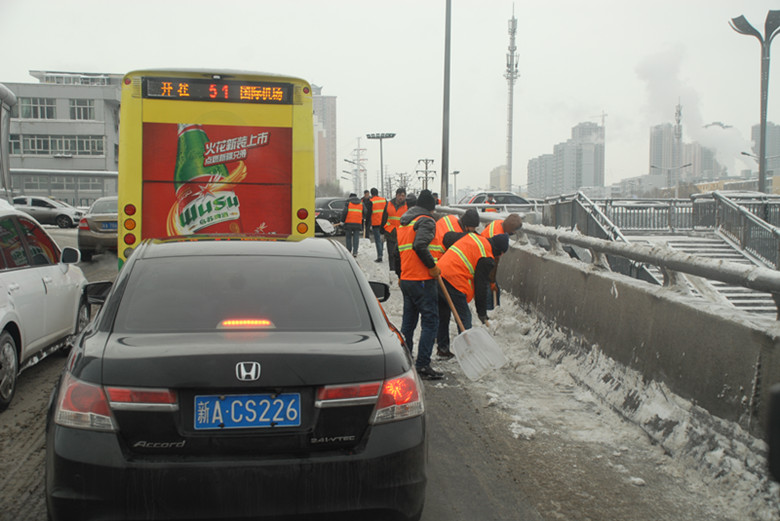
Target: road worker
{"points": [[377, 210], [467, 222], [418, 281], [510, 225], [465, 269], [390, 221], [351, 219]]}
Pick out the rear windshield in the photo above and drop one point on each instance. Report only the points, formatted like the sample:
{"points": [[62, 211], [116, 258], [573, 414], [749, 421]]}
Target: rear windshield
{"points": [[106, 206], [198, 294]]}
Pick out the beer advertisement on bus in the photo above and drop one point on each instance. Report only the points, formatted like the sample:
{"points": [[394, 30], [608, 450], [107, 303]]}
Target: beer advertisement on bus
{"points": [[216, 179]]}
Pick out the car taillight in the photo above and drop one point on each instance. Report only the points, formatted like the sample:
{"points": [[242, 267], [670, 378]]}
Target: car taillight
{"points": [[138, 399], [83, 405], [345, 395], [83, 225], [399, 399]]}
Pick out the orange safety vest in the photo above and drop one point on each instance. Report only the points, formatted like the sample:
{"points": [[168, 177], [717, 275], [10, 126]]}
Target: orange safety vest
{"points": [[488, 209], [394, 216], [459, 263], [448, 223], [377, 209], [494, 228], [412, 268], [354, 213]]}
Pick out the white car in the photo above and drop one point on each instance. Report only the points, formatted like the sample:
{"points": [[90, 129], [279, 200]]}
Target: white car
{"points": [[42, 297], [49, 211]]}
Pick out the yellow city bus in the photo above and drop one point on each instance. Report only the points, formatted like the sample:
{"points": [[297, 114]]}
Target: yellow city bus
{"points": [[214, 152]]}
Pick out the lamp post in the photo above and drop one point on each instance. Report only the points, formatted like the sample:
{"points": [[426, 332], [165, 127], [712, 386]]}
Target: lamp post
{"points": [[380, 137], [772, 28], [454, 186], [669, 176]]}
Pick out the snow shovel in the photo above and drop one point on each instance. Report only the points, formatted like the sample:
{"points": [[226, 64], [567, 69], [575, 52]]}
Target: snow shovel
{"points": [[477, 351]]}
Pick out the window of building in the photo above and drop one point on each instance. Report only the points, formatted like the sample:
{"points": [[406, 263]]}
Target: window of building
{"points": [[14, 144], [90, 183], [35, 108], [82, 109], [66, 145], [63, 183]]}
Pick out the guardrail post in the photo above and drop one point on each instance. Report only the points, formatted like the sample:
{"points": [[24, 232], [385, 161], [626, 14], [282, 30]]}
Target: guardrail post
{"points": [[675, 280], [555, 246], [599, 259], [776, 298]]}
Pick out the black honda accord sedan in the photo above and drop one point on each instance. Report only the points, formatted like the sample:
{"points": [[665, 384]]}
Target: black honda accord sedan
{"points": [[214, 385]]}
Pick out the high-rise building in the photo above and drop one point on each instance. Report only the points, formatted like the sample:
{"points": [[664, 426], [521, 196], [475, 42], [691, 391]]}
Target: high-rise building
{"points": [[326, 164], [64, 135], [772, 147], [575, 163], [540, 175]]}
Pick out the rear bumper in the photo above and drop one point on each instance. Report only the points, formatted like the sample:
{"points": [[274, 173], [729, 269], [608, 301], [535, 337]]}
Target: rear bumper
{"points": [[88, 477], [96, 242]]}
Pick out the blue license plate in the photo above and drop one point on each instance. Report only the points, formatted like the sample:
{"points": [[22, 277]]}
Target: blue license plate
{"points": [[108, 225], [247, 411]]}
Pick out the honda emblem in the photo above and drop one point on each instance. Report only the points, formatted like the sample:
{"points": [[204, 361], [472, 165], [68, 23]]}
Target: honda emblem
{"points": [[248, 371]]}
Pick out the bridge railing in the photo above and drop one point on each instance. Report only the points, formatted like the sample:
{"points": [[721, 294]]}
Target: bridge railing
{"points": [[740, 221], [670, 262]]}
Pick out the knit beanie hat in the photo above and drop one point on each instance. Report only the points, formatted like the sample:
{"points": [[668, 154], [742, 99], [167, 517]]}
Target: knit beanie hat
{"points": [[470, 218], [426, 200], [500, 244]]}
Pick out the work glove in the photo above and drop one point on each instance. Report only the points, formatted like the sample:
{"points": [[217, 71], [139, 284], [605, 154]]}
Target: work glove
{"points": [[493, 287], [484, 320], [434, 272]]}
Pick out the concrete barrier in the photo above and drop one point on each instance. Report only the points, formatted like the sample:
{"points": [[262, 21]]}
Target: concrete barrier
{"points": [[721, 359]]}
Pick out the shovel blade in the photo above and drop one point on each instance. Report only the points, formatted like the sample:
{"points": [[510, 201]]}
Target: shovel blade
{"points": [[477, 353]]}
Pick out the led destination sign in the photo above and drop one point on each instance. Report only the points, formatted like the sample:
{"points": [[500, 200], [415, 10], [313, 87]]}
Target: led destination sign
{"points": [[217, 90]]}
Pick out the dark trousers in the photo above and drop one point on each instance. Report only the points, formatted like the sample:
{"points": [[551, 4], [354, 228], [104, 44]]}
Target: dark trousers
{"points": [[352, 239], [378, 241], [461, 306], [393, 257], [420, 302]]}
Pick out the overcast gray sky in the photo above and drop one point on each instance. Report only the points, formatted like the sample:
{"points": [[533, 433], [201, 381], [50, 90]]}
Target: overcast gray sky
{"points": [[629, 59]]}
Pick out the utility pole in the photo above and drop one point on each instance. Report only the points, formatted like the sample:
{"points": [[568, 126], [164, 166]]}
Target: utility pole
{"points": [[678, 149], [360, 182], [425, 172], [445, 134], [511, 75]]}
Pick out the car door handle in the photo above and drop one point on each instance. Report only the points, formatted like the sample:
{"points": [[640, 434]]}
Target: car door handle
{"points": [[13, 287], [48, 280]]}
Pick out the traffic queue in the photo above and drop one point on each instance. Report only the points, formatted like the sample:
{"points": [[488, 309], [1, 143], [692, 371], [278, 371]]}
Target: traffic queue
{"points": [[441, 264]]}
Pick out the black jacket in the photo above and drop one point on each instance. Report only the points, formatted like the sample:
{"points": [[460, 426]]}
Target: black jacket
{"points": [[425, 230]]}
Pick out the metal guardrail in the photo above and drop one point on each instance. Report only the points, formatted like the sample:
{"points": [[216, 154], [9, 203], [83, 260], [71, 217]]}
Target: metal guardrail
{"points": [[669, 261], [753, 234]]}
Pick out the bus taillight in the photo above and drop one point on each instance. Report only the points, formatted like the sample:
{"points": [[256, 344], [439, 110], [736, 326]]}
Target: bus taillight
{"points": [[129, 209], [129, 224], [129, 239], [302, 214]]}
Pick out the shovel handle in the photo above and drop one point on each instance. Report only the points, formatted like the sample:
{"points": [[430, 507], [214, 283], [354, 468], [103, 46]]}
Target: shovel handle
{"points": [[461, 329]]}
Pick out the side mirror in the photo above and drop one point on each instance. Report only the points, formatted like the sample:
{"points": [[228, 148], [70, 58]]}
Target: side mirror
{"points": [[70, 256], [96, 292], [773, 431], [381, 290]]}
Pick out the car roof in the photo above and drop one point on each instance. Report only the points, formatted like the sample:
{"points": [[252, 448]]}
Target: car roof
{"points": [[208, 245]]}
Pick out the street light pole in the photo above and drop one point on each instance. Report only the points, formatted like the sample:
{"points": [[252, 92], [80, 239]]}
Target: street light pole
{"points": [[380, 137], [454, 186], [669, 177], [772, 28]]}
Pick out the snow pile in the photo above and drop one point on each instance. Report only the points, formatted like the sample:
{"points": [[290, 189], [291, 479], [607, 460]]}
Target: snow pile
{"points": [[556, 384]]}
